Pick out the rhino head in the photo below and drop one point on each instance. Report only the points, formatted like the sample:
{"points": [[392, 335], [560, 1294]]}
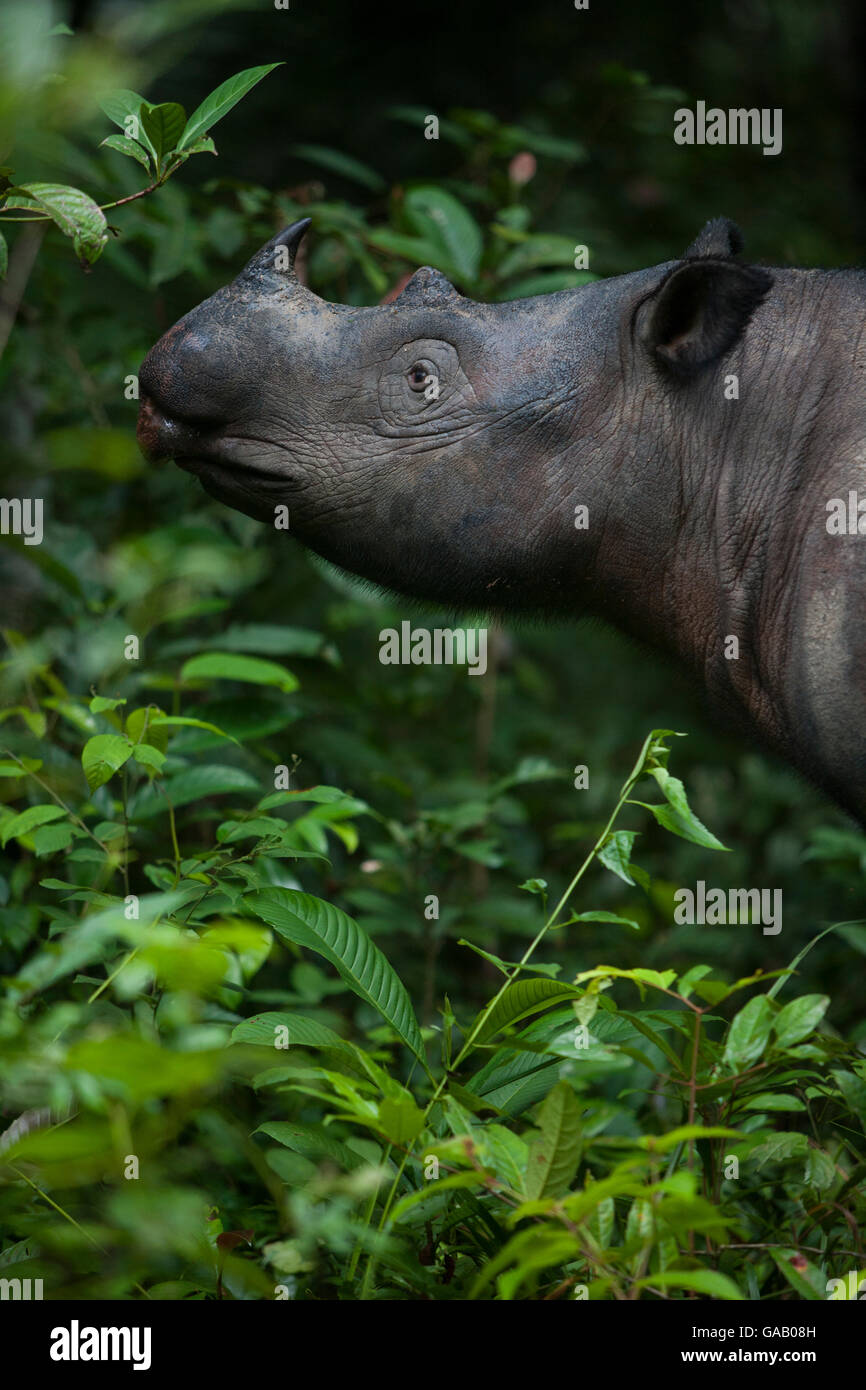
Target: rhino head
{"points": [[434, 445], [657, 449]]}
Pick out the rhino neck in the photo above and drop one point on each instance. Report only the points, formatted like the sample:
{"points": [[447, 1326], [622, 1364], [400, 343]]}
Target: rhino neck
{"points": [[715, 525]]}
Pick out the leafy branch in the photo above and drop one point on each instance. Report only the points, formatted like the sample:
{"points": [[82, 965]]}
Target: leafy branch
{"points": [[160, 138]]}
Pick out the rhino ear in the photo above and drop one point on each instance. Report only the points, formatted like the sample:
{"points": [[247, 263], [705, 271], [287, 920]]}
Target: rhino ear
{"points": [[700, 310], [721, 238]]}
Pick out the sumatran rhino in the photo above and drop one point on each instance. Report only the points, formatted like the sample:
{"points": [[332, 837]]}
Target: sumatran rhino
{"points": [[678, 451]]}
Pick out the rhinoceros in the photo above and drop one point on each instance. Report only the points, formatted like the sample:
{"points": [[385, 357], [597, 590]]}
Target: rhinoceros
{"points": [[677, 451]]}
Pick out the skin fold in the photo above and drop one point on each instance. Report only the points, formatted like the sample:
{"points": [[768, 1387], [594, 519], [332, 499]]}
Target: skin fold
{"points": [[704, 413]]}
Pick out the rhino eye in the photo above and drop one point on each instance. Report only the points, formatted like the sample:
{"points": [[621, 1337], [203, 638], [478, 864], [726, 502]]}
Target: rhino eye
{"points": [[417, 376]]}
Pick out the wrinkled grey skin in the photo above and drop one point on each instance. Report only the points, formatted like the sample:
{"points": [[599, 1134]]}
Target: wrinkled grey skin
{"points": [[707, 516]]}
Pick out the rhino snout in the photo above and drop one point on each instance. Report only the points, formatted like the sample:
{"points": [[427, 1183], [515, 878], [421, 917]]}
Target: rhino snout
{"points": [[161, 437]]}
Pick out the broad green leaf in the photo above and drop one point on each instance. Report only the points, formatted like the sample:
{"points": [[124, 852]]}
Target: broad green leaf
{"points": [[8, 768], [28, 820], [506, 1153], [805, 1279], [454, 1182], [102, 756], [100, 703], [531, 1250], [706, 1281], [690, 827], [342, 164], [120, 104], [663, 1143], [799, 1018], [321, 927], [616, 852], [221, 101], [553, 1157], [163, 125], [599, 915], [853, 1088], [400, 1120], [749, 1032], [773, 1100], [313, 1141], [203, 145], [124, 145], [519, 999], [545, 282], [231, 666], [148, 756], [75, 213], [50, 839], [141, 727], [193, 784], [535, 251], [272, 639], [780, 1148], [179, 721], [438, 217], [268, 1029]]}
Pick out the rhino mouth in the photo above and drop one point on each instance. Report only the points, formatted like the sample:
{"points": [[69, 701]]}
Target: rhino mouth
{"points": [[203, 466]]}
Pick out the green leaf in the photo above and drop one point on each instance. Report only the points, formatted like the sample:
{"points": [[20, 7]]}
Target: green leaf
{"points": [[706, 1281], [8, 768], [193, 784], [261, 1030], [400, 1120], [438, 217], [148, 756], [168, 721], [677, 816], [535, 251], [519, 999], [321, 927], [102, 756], [221, 101], [100, 703], [163, 126], [124, 145], [342, 164], [773, 1100], [28, 820], [545, 282], [807, 1281], [616, 852], [75, 213], [749, 1032], [553, 1158], [203, 145], [799, 1018], [853, 1089], [454, 1182], [313, 1141], [49, 839], [231, 666], [4, 257], [599, 915], [120, 104]]}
